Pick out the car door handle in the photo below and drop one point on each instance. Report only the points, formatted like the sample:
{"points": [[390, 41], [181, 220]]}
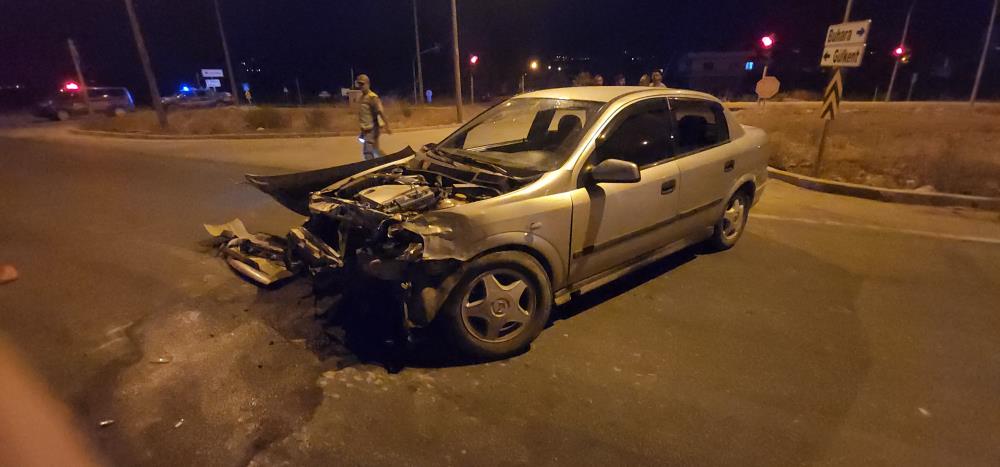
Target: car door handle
{"points": [[730, 165], [668, 187]]}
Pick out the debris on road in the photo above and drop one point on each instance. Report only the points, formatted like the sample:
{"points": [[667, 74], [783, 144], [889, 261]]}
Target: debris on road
{"points": [[179, 423], [163, 359], [105, 423]]}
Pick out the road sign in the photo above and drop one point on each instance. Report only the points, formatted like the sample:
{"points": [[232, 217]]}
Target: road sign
{"points": [[855, 32], [211, 73], [213, 83], [845, 44], [767, 87], [831, 97], [846, 56]]}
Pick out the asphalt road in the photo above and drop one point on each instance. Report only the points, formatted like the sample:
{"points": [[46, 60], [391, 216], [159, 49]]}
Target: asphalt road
{"points": [[838, 332]]}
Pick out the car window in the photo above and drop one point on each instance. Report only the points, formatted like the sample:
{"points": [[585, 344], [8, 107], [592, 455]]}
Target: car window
{"points": [[640, 135], [535, 134], [698, 124]]}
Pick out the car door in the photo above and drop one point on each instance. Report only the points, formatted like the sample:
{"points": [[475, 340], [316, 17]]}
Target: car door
{"points": [[614, 223], [706, 163]]}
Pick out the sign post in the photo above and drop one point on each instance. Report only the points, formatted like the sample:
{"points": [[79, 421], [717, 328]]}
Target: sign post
{"points": [[844, 46]]}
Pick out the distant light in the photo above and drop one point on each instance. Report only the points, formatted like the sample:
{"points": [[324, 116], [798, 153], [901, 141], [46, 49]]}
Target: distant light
{"points": [[559, 69], [185, 88], [898, 51], [533, 65], [767, 41], [550, 67], [72, 86], [17, 86], [748, 66], [474, 59]]}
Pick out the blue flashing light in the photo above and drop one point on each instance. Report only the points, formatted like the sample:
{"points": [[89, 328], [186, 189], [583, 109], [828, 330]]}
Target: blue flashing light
{"points": [[185, 88], [748, 66]]}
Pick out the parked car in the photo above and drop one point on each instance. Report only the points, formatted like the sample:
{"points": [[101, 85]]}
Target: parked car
{"points": [[197, 99], [541, 198], [66, 103]]}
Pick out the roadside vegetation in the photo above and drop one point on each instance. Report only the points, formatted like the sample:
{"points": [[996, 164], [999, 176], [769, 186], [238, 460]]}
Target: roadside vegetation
{"points": [[945, 147], [244, 120]]}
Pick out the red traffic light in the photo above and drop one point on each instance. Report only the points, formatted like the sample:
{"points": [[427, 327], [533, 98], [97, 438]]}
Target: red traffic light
{"points": [[767, 41], [899, 51], [474, 59]]}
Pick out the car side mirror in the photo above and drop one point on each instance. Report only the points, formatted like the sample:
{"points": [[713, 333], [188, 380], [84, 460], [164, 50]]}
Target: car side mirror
{"points": [[615, 171]]}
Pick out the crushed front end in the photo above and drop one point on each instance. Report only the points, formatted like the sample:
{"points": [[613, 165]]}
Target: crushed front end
{"points": [[362, 223]]}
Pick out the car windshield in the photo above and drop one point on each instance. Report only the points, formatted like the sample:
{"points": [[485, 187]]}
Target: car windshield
{"points": [[524, 133]]}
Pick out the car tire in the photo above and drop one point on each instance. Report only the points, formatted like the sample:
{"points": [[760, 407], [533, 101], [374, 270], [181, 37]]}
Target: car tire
{"points": [[500, 304], [118, 112], [731, 225], [62, 115]]}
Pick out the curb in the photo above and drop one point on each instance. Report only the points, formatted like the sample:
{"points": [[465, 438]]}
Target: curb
{"points": [[888, 195], [326, 134]]}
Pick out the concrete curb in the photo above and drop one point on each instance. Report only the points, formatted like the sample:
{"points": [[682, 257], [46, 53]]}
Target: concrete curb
{"points": [[885, 194], [326, 134]]}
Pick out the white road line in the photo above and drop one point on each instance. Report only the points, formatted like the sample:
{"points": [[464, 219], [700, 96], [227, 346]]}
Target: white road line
{"points": [[877, 228]]}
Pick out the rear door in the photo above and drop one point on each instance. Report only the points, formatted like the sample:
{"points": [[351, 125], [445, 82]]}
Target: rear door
{"points": [[614, 223], [706, 162]]}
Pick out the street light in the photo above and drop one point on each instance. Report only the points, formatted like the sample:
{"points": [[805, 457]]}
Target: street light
{"points": [[533, 65], [473, 60]]}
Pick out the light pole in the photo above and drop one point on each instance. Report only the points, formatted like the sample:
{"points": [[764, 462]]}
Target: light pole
{"points": [[140, 45], [75, 55], [455, 61], [533, 65], [225, 53], [473, 60], [899, 53], [982, 58], [420, 68]]}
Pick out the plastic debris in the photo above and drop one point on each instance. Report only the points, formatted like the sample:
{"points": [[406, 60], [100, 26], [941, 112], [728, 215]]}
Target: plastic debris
{"points": [[105, 423], [163, 359], [179, 423]]}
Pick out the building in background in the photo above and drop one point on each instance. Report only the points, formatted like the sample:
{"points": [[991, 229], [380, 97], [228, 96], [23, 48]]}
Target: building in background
{"points": [[726, 75]]}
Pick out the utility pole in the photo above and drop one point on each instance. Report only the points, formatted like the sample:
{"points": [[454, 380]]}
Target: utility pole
{"points": [[140, 45], [420, 69], [982, 58], [298, 90], [79, 75], [902, 43], [225, 53], [458, 69]]}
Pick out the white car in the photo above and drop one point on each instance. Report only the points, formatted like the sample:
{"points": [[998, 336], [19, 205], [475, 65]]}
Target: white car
{"points": [[543, 197]]}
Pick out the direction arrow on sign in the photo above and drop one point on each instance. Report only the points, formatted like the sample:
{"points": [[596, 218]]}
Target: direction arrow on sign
{"points": [[831, 97]]}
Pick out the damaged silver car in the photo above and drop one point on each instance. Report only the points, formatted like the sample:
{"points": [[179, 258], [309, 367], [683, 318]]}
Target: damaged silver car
{"points": [[545, 196]]}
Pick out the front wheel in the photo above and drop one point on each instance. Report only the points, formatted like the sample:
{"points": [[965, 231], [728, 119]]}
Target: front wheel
{"points": [[500, 304], [729, 228]]}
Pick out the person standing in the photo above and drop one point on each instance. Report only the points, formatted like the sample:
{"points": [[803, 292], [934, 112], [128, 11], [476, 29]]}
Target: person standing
{"points": [[644, 80], [371, 119], [598, 80], [657, 81]]}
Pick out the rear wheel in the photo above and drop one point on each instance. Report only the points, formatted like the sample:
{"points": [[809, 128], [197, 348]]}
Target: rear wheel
{"points": [[499, 306], [62, 115], [118, 112], [729, 228]]}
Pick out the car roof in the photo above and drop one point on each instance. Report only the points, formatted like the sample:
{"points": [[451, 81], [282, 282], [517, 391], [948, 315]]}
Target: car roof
{"points": [[610, 93]]}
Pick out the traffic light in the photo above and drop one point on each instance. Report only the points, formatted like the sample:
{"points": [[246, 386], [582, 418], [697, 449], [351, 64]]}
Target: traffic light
{"points": [[474, 59], [898, 51], [902, 53], [767, 41]]}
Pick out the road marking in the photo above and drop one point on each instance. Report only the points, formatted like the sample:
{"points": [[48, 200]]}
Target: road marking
{"points": [[877, 228]]}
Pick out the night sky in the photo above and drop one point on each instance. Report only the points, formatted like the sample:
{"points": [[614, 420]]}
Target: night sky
{"points": [[319, 41]]}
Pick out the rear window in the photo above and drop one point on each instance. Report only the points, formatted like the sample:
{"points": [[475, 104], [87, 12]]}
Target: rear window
{"points": [[698, 124]]}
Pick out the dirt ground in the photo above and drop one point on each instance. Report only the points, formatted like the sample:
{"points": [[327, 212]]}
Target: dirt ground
{"points": [[312, 119], [946, 147]]}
